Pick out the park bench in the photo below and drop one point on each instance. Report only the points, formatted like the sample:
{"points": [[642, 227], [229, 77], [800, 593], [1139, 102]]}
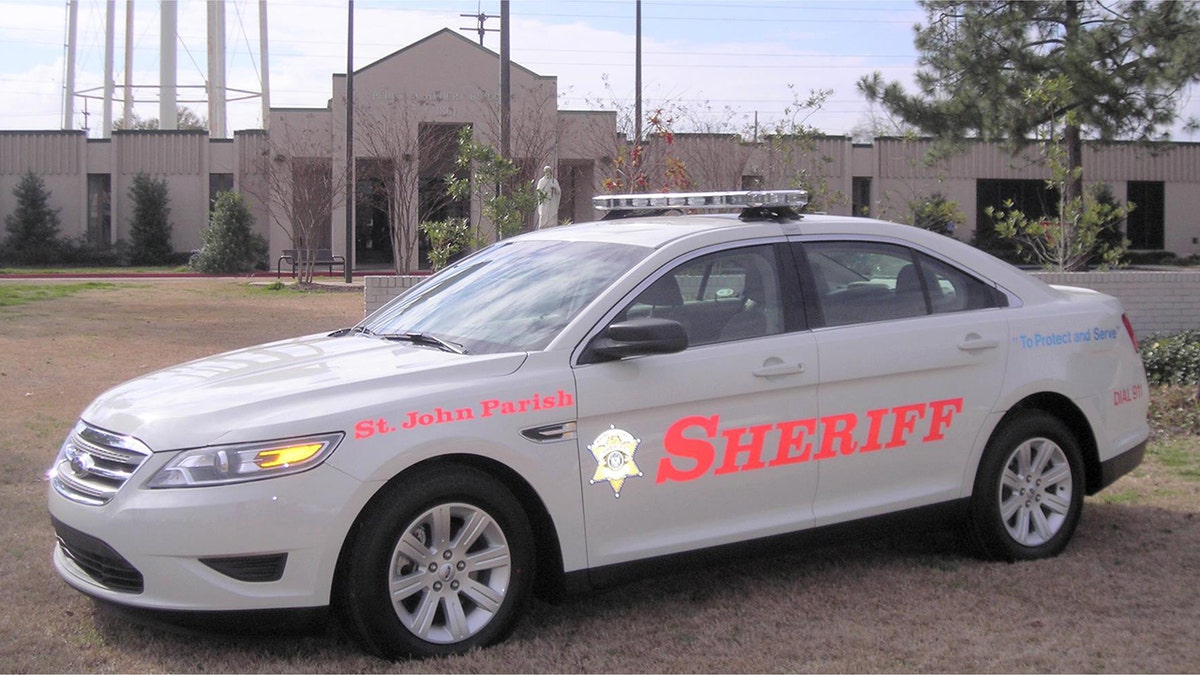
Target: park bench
{"points": [[319, 257]]}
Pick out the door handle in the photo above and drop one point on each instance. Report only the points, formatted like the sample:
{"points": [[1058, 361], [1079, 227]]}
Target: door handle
{"points": [[974, 343], [776, 369]]}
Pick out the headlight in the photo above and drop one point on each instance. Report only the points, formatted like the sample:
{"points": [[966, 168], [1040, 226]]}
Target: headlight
{"points": [[225, 464]]}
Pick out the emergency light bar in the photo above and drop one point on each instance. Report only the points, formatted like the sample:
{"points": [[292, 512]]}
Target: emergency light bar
{"points": [[710, 201]]}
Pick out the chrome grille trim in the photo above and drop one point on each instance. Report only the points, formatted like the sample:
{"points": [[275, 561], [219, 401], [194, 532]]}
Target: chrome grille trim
{"points": [[94, 464]]}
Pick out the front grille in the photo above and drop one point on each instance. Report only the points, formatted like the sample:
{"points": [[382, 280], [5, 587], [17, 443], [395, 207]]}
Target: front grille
{"points": [[104, 565], [93, 464]]}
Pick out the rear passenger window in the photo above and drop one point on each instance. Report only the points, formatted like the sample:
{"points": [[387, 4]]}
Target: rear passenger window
{"points": [[859, 282]]}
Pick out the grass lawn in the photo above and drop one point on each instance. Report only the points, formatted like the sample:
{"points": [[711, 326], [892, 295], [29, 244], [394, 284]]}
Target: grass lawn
{"points": [[1123, 597]]}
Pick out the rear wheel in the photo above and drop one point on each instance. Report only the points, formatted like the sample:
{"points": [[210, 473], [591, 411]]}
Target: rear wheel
{"points": [[439, 564], [1029, 490]]}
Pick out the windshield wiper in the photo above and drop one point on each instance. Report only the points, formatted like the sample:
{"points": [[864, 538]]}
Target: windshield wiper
{"points": [[341, 332], [427, 340]]}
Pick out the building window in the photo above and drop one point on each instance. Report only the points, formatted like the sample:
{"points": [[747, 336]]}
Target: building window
{"points": [[99, 216], [1145, 221], [1031, 197], [860, 189], [218, 183]]}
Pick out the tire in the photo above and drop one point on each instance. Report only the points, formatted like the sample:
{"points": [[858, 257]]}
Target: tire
{"points": [[1029, 490], [438, 564]]}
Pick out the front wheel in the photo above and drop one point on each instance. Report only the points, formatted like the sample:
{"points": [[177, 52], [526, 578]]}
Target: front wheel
{"points": [[439, 564], [1029, 490]]}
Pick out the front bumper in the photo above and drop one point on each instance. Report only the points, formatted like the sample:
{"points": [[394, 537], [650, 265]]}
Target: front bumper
{"points": [[269, 544]]}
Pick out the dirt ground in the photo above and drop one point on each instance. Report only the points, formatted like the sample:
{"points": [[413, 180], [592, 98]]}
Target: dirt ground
{"points": [[1124, 597]]}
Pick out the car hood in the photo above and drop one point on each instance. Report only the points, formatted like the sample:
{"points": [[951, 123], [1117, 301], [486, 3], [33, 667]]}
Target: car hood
{"points": [[293, 387]]}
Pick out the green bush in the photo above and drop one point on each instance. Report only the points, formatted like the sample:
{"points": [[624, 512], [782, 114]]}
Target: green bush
{"points": [[231, 245], [446, 238], [32, 226], [150, 230], [1172, 359], [80, 251], [936, 214]]}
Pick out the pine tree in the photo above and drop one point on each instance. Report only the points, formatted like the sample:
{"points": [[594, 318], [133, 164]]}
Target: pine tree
{"points": [[150, 230], [231, 245], [1127, 65], [33, 226]]}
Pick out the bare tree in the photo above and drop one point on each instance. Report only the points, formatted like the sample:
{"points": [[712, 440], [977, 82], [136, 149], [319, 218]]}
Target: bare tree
{"points": [[402, 152], [301, 188], [715, 148], [794, 154]]}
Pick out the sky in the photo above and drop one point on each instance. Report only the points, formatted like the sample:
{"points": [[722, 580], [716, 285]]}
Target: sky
{"points": [[716, 63]]}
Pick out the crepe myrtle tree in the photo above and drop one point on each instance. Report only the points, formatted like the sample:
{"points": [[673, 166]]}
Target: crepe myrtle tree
{"points": [[795, 153], [300, 185], [397, 148]]}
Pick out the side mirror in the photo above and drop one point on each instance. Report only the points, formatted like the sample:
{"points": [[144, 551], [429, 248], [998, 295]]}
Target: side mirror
{"points": [[637, 337]]}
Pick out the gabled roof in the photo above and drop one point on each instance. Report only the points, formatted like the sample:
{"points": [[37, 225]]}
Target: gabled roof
{"points": [[445, 34]]}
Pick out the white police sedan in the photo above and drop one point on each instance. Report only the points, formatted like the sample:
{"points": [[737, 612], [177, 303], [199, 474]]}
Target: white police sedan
{"points": [[571, 406]]}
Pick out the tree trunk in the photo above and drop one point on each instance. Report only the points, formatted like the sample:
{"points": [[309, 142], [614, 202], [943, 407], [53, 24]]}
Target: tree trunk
{"points": [[1073, 140], [1072, 136]]}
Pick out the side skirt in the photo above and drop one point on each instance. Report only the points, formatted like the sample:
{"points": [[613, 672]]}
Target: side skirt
{"points": [[924, 518]]}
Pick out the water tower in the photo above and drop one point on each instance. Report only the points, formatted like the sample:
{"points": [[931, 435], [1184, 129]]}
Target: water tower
{"points": [[216, 90]]}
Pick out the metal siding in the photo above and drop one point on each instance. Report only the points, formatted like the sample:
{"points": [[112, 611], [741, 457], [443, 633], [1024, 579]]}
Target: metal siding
{"points": [[902, 160], [1132, 162], [161, 153], [46, 153]]}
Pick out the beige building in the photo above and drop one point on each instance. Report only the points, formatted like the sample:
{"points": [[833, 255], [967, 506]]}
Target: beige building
{"points": [[411, 105]]}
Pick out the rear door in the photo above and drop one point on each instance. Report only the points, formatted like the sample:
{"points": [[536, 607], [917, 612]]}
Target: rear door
{"points": [[912, 358]]}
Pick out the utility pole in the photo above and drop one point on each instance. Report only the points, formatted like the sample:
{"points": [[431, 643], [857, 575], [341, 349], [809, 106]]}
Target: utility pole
{"points": [[349, 266], [637, 78], [505, 83], [480, 19]]}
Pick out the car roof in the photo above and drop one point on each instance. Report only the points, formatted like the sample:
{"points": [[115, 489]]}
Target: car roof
{"points": [[659, 231], [655, 231]]}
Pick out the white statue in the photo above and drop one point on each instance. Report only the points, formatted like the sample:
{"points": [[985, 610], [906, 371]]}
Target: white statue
{"points": [[547, 209]]}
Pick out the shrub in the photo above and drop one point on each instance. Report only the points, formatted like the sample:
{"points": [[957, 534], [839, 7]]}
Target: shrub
{"points": [[150, 230], [230, 245], [936, 214], [80, 251], [1172, 359], [446, 238], [33, 225]]}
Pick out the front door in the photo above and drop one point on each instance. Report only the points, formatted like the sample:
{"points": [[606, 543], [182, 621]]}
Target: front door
{"points": [[701, 447]]}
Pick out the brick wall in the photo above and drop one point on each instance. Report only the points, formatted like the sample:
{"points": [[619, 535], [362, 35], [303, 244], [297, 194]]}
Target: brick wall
{"points": [[378, 290], [1156, 302]]}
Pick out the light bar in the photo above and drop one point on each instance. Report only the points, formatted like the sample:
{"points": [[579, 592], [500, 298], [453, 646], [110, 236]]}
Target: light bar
{"points": [[703, 200]]}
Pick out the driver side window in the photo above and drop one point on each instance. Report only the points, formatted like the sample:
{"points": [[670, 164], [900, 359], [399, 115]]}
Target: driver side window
{"points": [[718, 297]]}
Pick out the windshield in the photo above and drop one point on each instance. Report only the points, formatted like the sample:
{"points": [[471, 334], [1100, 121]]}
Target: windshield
{"points": [[513, 296]]}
